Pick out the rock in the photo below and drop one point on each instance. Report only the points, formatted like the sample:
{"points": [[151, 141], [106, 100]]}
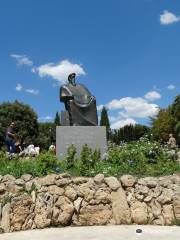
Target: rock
{"points": [[21, 208], [139, 197], [55, 215], [63, 182], [157, 191], [168, 214], [113, 183], [45, 199], [130, 197], [140, 189], [70, 193], [139, 212], [176, 206], [159, 221], [120, 208], [13, 188], [99, 178], [53, 189], [2, 188], [175, 188], [63, 175], [28, 223], [8, 178], [26, 177], [80, 180], [175, 179], [19, 182], [128, 180], [67, 210], [155, 208], [148, 199], [164, 182], [93, 215], [102, 195], [84, 190], [150, 182], [42, 217], [33, 195], [28, 186], [0, 210], [150, 215], [77, 204], [166, 196], [5, 221], [47, 180]]}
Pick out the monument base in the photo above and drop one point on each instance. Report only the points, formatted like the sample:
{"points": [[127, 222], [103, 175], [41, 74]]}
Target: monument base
{"points": [[93, 136]]}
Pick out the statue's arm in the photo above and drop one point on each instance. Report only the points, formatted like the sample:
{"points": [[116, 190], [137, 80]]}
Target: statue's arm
{"points": [[65, 94]]}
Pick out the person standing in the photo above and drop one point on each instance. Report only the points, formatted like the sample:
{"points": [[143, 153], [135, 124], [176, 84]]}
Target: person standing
{"points": [[172, 141], [10, 138]]}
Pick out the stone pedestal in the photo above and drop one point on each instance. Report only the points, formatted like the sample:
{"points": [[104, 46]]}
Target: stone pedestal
{"points": [[93, 136]]}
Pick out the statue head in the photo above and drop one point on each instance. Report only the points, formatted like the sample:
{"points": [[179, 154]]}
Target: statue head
{"points": [[71, 79]]}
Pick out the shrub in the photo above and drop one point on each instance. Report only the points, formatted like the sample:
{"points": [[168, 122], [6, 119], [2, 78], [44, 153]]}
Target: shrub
{"points": [[43, 164]]}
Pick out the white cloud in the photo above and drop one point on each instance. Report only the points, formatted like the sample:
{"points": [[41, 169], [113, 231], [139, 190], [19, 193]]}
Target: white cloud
{"points": [[32, 91], [121, 123], [168, 18], [100, 107], [22, 59], [18, 87], [46, 118], [59, 71], [171, 87], [151, 96], [134, 107]]}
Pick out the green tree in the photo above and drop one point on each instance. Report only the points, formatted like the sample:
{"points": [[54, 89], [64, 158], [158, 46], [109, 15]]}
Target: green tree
{"points": [[104, 121], [57, 120], [26, 124], [46, 135], [175, 109], [129, 133], [163, 124]]}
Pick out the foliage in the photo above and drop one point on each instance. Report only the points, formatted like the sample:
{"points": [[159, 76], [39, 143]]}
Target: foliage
{"points": [[57, 120], [175, 109], [46, 135], [163, 125], [142, 158], [129, 133], [70, 157], [26, 125], [176, 221], [42, 165], [168, 121], [104, 120]]}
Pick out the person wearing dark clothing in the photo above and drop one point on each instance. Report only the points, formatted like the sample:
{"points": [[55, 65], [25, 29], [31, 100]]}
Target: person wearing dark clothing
{"points": [[10, 139]]}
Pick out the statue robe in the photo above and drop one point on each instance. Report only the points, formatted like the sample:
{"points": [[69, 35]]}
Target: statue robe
{"points": [[80, 105]]}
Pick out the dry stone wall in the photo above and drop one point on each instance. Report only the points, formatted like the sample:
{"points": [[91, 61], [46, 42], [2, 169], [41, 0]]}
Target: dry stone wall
{"points": [[62, 200]]}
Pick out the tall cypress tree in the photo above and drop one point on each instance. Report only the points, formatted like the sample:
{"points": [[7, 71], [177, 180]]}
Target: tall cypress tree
{"points": [[57, 119], [104, 121]]}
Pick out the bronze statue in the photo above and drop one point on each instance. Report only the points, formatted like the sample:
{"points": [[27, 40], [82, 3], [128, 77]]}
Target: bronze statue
{"points": [[80, 105]]}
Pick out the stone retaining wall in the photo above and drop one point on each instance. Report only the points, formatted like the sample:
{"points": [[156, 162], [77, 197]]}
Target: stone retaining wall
{"points": [[61, 200]]}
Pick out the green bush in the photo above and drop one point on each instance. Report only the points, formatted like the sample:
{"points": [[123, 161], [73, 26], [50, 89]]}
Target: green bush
{"points": [[42, 165], [140, 158]]}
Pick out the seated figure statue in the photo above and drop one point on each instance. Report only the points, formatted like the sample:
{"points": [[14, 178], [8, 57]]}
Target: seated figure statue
{"points": [[80, 105]]}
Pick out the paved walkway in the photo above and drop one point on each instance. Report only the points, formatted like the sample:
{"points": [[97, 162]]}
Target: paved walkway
{"points": [[121, 232]]}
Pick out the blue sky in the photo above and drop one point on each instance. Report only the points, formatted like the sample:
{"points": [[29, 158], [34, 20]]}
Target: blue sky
{"points": [[126, 52]]}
